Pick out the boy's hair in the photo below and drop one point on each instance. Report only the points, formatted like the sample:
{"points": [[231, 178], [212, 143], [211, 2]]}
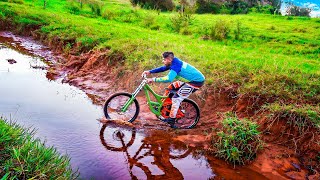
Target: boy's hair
{"points": [[168, 54]]}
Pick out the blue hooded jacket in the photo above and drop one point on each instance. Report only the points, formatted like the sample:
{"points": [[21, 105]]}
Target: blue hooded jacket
{"points": [[180, 70]]}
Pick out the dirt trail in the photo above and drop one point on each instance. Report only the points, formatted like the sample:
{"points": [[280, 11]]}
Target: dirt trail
{"points": [[99, 75]]}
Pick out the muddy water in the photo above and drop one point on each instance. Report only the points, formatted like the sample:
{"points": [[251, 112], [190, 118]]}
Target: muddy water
{"points": [[66, 118]]}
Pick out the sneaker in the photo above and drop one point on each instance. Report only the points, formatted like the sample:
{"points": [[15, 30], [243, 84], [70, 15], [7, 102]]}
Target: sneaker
{"points": [[171, 122]]}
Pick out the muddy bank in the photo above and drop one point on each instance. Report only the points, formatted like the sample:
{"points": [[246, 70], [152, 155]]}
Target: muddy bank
{"points": [[100, 73]]}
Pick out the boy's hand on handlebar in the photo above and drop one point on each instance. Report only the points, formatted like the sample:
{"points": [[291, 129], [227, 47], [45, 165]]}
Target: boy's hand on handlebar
{"points": [[145, 73], [150, 80]]}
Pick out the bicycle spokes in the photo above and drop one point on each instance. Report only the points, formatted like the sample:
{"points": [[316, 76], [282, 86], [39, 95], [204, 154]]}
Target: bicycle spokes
{"points": [[188, 115], [115, 107]]}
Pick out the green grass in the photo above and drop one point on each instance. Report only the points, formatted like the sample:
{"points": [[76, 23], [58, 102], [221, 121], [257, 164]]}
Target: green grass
{"points": [[23, 157], [272, 55], [302, 117], [238, 141]]}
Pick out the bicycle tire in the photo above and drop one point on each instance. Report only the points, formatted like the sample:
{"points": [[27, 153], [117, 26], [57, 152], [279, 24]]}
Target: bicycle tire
{"points": [[193, 119], [179, 150], [110, 147], [116, 109]]}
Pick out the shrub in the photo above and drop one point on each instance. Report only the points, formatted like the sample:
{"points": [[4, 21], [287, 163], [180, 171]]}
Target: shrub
{"points": [[207, 6], [73, 7], [220, 30], [224, 9], [95, 6], [238, 141], [237, 7], [108, 14], [267, 9], [148, 21], [181, 21], [165, 5], [16, 1]]}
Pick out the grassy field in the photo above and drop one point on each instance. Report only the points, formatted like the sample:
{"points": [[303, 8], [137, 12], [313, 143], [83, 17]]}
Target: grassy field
{"points": [[274, 56], [23, 157]]}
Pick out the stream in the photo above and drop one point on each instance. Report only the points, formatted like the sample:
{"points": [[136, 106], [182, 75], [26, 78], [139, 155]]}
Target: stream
{"points": [[66, 118]]}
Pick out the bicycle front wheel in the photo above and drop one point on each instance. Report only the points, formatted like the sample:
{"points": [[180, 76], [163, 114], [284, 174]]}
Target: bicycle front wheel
{"points": [[113, 105], [191, 115]]}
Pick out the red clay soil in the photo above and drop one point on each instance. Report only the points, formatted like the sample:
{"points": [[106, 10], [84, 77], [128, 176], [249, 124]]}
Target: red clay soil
{"points": [[100, 75]]}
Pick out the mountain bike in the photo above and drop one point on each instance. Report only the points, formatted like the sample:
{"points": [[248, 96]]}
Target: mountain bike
{"points": [[124, 106]]}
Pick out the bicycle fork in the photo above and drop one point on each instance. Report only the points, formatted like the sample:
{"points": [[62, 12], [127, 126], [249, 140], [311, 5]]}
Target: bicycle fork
{"points": [[133, 96]]}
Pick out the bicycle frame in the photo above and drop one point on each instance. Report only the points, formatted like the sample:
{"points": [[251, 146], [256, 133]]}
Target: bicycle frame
{"points": [[155, 107]]}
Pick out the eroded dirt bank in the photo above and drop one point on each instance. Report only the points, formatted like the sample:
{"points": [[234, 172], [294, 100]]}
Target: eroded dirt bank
{"points": [[287, 153]]}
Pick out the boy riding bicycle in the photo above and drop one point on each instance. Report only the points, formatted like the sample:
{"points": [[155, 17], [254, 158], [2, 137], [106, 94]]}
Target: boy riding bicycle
{"points": [[191, 79]]}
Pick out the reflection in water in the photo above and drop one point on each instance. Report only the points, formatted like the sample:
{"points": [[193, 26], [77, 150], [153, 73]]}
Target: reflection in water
{"points": [[157, 151]]}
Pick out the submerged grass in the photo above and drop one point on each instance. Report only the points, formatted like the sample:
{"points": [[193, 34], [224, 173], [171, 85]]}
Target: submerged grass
{"points": [[23, 157]]}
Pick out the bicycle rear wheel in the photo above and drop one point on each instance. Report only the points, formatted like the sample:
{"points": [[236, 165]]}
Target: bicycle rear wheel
{"points": [[113, 105], [191, 115]]}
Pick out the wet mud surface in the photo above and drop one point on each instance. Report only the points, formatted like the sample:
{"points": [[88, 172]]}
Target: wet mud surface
{"points": [[151, 149]]}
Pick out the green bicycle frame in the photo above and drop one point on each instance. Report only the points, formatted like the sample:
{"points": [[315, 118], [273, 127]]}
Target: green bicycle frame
{"points": [[155, 107]]}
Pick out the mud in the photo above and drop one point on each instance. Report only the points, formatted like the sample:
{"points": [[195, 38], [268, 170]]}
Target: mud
{"points": [[100, 74]]}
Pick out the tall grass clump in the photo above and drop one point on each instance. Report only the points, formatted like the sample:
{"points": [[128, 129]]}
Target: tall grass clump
{"points": [[73, 7], [181, 21], [238, 141], [220, 30], [23, 157]]}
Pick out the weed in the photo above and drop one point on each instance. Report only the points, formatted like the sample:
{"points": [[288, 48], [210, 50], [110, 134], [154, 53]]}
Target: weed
{"points": [[23, 157], [73, 7], [16, 1], [238, 141], [237, 31], [220, 30], [181, 21], [303, 117]]}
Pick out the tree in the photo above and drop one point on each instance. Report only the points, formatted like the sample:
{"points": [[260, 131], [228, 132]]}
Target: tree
{"points": [[293, 10], [276, 4], [166, 5]]}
